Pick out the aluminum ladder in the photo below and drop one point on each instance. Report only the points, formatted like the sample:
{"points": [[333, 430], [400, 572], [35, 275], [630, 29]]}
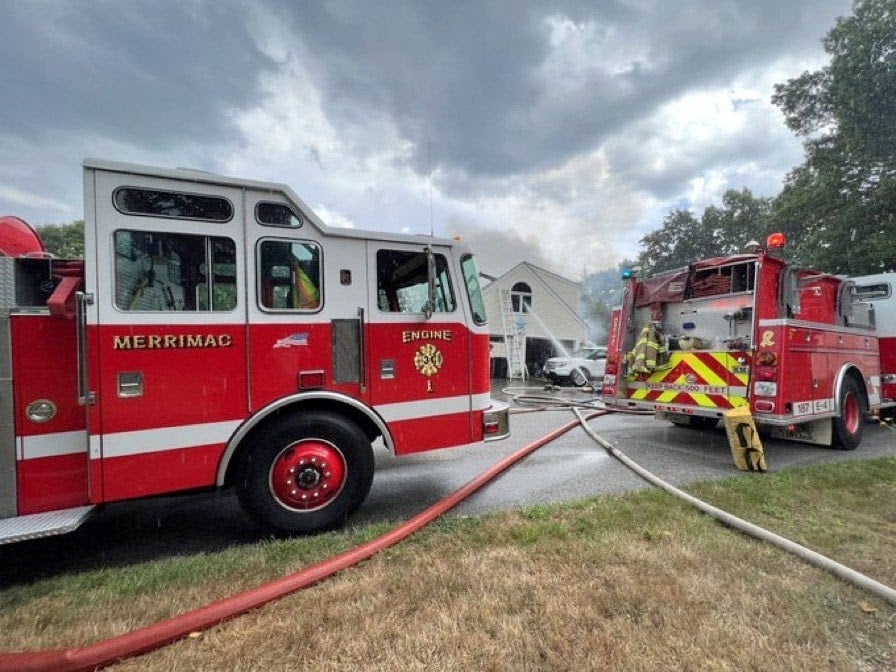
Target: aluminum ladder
{"points": [[514, 339]]}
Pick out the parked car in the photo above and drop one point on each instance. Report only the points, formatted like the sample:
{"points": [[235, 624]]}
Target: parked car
{"points": [[582, 366]]}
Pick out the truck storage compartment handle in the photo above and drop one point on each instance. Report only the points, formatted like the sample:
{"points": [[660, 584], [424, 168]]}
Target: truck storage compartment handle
{"points": [[362, 351]]}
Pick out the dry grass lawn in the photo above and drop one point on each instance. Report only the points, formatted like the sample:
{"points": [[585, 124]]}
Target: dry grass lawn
{"points": [[639, 582]]}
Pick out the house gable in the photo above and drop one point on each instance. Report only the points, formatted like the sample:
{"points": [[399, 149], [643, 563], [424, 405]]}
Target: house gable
{"points": [[552, 315]]}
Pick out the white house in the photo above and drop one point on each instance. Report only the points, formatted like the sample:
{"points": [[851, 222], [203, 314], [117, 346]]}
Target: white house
{"points": [[544, 307]]}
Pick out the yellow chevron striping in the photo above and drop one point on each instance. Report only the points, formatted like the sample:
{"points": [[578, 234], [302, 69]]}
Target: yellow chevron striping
{"points": [[669, 395], [704, 374]]}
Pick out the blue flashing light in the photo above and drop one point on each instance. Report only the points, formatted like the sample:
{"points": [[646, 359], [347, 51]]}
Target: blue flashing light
{"points": [[627, 274]]}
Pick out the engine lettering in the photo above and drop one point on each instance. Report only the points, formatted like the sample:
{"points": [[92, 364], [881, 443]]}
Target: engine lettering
{"points": [[426, 335]]}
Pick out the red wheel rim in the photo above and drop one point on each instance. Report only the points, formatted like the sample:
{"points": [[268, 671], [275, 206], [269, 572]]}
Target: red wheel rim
{"points": [[850, 412], [308, 475]]}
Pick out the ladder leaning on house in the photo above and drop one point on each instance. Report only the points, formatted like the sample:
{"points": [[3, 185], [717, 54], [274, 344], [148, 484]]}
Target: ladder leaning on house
{"points": [[514, 339]]}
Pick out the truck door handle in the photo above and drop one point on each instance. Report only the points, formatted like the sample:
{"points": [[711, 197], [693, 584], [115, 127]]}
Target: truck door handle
{"points": [[82, 300]]}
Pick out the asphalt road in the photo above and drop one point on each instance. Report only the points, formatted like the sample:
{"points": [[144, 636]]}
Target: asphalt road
{"points": [[569, 468], [574, 467]]}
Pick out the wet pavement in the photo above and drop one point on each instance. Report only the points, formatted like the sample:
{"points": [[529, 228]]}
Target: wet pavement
{"points": [[571, 467]]}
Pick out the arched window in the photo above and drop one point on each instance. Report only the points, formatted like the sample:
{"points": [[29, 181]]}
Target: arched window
{"points": [[521, 298]]}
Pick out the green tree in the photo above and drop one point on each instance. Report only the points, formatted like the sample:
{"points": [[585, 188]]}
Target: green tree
{"points": [[742, 218], [683, 238], [679, 241], [63, 240], [839, 205]]}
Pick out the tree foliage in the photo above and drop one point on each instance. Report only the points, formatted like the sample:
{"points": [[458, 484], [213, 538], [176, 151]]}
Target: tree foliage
{"points": [[63, 240], [683, 238], [842, 199], [838, 208]]}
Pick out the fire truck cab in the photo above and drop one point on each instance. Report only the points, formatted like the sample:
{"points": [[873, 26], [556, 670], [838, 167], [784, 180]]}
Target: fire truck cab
{"points": [[795, 345], [218, 334], [878, 292]]}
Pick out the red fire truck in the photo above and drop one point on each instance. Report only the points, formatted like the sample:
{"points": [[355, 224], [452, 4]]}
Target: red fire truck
{"points": [[218, 334], [795, 345]]}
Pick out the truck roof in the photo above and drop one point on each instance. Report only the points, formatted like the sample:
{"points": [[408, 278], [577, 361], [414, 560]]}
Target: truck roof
{"points": [[205, 177]]}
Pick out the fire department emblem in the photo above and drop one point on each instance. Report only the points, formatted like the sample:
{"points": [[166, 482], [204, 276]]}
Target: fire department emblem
{"points": [[428, 360]]}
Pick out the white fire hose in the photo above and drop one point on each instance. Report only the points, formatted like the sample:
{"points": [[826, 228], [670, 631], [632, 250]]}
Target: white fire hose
{"points": [[847, 574], [548, 402]]}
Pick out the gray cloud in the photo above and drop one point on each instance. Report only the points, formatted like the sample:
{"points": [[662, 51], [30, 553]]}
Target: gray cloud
{"points": [[551, 130], [462, 79], [495, 247], [148, 72]]}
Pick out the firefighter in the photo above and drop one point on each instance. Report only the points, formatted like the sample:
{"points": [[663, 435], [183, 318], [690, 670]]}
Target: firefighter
{"points": [[305, 294], [650, 352]]}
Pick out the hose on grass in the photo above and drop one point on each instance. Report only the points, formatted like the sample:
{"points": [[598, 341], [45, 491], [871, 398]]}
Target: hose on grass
{"points": [[812, 557], [156, 635], [142, 640]]}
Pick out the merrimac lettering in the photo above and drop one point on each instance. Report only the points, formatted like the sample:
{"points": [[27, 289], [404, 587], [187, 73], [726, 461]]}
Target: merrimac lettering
{"points": [[171, 341]]}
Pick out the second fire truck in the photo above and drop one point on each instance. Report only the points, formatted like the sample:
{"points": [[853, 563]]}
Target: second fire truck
{"points": [[795, 345], [217, 334]]}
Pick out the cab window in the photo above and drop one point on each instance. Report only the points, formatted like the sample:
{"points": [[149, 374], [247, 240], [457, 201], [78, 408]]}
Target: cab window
{"points": [[277, 214], [289, 275], [173, 204], [172, 271]]}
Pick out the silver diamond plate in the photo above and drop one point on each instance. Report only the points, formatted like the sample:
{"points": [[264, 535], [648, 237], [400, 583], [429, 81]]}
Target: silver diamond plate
{"points": [[39, 525]]}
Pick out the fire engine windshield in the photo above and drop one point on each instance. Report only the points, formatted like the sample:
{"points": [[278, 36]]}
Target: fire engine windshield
{"points": [[474, 289], [402, 282]]}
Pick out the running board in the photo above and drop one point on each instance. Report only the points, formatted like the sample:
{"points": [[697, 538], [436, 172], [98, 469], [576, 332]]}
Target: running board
{"points": [[37, 525]]}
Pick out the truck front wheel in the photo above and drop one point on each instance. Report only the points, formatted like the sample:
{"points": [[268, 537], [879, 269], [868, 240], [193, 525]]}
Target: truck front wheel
{"points": [[847, 427], [306, 472]]}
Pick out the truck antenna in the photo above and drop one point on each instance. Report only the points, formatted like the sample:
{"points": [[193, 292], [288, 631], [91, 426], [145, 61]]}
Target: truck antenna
{"points": [[429, 155]]}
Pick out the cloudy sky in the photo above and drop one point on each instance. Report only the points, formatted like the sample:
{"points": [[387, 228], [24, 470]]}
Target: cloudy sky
{"points": [[555, 132]]}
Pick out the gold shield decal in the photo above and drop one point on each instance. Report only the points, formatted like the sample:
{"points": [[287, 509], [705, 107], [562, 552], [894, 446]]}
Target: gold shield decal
{"points": [[428, 360]]}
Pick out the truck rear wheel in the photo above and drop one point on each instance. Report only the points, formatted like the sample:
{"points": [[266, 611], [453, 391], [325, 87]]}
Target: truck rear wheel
{"points": [[847, 428], [306, 472], [696, 422]]}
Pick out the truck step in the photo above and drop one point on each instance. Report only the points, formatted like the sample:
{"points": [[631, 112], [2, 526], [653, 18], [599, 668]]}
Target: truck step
{"points": [[47, 524]]}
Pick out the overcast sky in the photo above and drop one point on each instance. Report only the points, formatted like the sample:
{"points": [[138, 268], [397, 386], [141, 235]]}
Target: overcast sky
{"points": [[554, 132]]}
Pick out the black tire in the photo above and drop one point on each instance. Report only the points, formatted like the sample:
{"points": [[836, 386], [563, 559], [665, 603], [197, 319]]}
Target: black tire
{"points": [[578, 378], [697, 422], [306, 472], [701, 422], [847, 428]]}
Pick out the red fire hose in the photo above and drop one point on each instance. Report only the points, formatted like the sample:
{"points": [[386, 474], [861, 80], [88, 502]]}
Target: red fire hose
{"points": [[156, 635]]}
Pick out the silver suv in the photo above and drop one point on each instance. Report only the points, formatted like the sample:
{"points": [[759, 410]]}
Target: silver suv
{"points": [[582, 366]]}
